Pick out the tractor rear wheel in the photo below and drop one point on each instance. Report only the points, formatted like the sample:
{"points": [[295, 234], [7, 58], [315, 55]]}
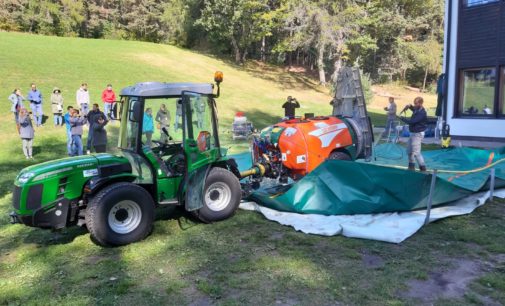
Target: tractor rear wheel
{"points": [[339, 155], [222, 194], [120, 214]]}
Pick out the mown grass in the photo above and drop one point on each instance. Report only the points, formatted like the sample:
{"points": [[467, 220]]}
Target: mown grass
{"points": [[243, 260]]}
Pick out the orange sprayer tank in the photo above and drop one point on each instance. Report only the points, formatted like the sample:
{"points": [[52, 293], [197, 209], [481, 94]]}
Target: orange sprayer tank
{"points": [[304, 144]]}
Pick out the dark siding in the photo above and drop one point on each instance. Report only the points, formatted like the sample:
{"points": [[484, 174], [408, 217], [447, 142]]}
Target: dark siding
{"points": [[479, 36], [502, 34]]}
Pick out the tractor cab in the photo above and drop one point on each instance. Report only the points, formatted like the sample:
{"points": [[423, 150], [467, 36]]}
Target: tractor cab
{"points": [[166, 131]]}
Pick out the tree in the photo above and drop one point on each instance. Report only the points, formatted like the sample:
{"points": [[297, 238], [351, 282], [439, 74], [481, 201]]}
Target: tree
{"points": [[235, 22]]}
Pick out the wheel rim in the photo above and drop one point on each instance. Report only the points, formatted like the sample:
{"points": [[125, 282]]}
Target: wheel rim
{"points": [[217, 196], [125, 217]]}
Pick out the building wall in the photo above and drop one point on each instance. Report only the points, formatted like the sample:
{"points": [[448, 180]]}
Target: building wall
{"points": [[476, 39]]}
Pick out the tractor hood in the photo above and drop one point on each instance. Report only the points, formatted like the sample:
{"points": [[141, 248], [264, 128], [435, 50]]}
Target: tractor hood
{"points": [[85, 166]]}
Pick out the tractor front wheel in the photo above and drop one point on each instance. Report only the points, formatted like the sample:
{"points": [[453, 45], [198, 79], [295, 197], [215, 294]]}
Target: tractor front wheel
{"points": [[120, 214], [222, 194]]}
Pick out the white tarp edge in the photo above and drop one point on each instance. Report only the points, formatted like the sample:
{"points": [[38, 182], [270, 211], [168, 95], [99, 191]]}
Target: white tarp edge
{"points": [[389, 227]]}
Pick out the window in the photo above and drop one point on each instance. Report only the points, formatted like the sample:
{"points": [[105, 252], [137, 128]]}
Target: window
{"points": [[470, 3], [477, 92]]}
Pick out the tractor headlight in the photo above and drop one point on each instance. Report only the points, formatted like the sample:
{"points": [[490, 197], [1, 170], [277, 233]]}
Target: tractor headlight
{"points": [[25, 177]]}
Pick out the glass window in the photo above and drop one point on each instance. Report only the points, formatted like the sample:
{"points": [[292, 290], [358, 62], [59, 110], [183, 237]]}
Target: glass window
{"points": [[201, 121], [477, 94], [162, 121], [470, 3]]}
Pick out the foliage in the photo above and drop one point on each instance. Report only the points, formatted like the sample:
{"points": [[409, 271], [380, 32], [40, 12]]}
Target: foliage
{"points": [[386, 39]]}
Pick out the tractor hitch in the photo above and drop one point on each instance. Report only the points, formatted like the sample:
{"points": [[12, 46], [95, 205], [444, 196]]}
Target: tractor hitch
{"points": [[13, 218]]}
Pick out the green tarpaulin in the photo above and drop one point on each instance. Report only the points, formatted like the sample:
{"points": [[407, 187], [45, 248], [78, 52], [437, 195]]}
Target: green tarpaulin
{"points": [[343, 188]]}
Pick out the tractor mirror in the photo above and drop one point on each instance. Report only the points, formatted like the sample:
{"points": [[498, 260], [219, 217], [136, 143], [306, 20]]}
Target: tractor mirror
{"points": [[113, 111], [218, 77], [135, 111]]}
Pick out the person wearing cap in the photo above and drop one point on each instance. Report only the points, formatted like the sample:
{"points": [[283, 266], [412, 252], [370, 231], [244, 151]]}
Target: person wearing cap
{"points": [[35, 98], [108, 99], [82, 99], [57, 106]]}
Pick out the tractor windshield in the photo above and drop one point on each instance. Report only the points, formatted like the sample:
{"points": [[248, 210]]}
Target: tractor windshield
{"points": [[155, 121]]}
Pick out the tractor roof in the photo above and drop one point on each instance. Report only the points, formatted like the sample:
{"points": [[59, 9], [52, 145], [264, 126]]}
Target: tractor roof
{"points": [[157, 89]]}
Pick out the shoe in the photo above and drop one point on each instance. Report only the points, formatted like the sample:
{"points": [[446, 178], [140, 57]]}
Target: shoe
{"points": [[27, 157], [88, 152], [422, 168], [412, 167]]}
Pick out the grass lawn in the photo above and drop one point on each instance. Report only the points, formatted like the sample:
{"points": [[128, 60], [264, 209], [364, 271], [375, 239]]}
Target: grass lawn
{"points": [[243, 260]]}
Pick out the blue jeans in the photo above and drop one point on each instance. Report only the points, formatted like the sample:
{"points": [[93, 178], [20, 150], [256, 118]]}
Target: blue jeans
{"points": [[37, 113], [58, 119], [107, 107], [76, 145], [69, 143]]}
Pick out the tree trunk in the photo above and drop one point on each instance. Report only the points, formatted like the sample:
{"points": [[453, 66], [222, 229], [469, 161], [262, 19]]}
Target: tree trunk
{"points": [[337, 66], [263, 49], [320, 65], [236, 50], [425, 78]]}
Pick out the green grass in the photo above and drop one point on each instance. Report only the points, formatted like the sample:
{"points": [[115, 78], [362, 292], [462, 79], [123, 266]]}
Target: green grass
{"points": [[243, 260]]}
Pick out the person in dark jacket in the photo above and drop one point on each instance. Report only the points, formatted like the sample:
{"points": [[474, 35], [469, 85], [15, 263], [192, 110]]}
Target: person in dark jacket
{"points": [[26, 132], [94, 113], [289, 107], [99, 133], [417, 125]]}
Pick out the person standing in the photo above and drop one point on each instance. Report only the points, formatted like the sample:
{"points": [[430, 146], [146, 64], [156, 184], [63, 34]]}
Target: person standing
{"points": [[95, 112], [76, 124], [66, 119], [391, 119], [417, 125], [26, 132], [99, 133], [289, 107], [178, 114], [16, 99], [108, 98], [82, 99], [163, 119], [57, 106], [148, 126], [35, 98]]}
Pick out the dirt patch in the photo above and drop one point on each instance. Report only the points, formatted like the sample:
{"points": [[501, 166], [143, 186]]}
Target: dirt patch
{"points": [[450, 284], [372, 261]]}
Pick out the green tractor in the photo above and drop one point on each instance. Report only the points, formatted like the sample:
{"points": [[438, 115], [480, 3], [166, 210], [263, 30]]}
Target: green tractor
{"points": [[168, 158]]}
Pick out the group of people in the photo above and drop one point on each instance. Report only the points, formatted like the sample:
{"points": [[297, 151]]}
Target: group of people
{"points": [[75, 119]]}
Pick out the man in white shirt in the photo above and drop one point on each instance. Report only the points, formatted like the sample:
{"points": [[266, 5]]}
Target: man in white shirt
{"points": [[82, 99]]}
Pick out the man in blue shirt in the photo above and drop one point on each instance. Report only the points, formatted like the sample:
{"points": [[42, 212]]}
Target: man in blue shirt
{"points": [[35, 98], [66, 118]]}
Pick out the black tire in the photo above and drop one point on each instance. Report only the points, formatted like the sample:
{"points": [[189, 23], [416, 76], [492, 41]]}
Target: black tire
{"points": [[127, 200], [221, 187], [339, 155]]}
